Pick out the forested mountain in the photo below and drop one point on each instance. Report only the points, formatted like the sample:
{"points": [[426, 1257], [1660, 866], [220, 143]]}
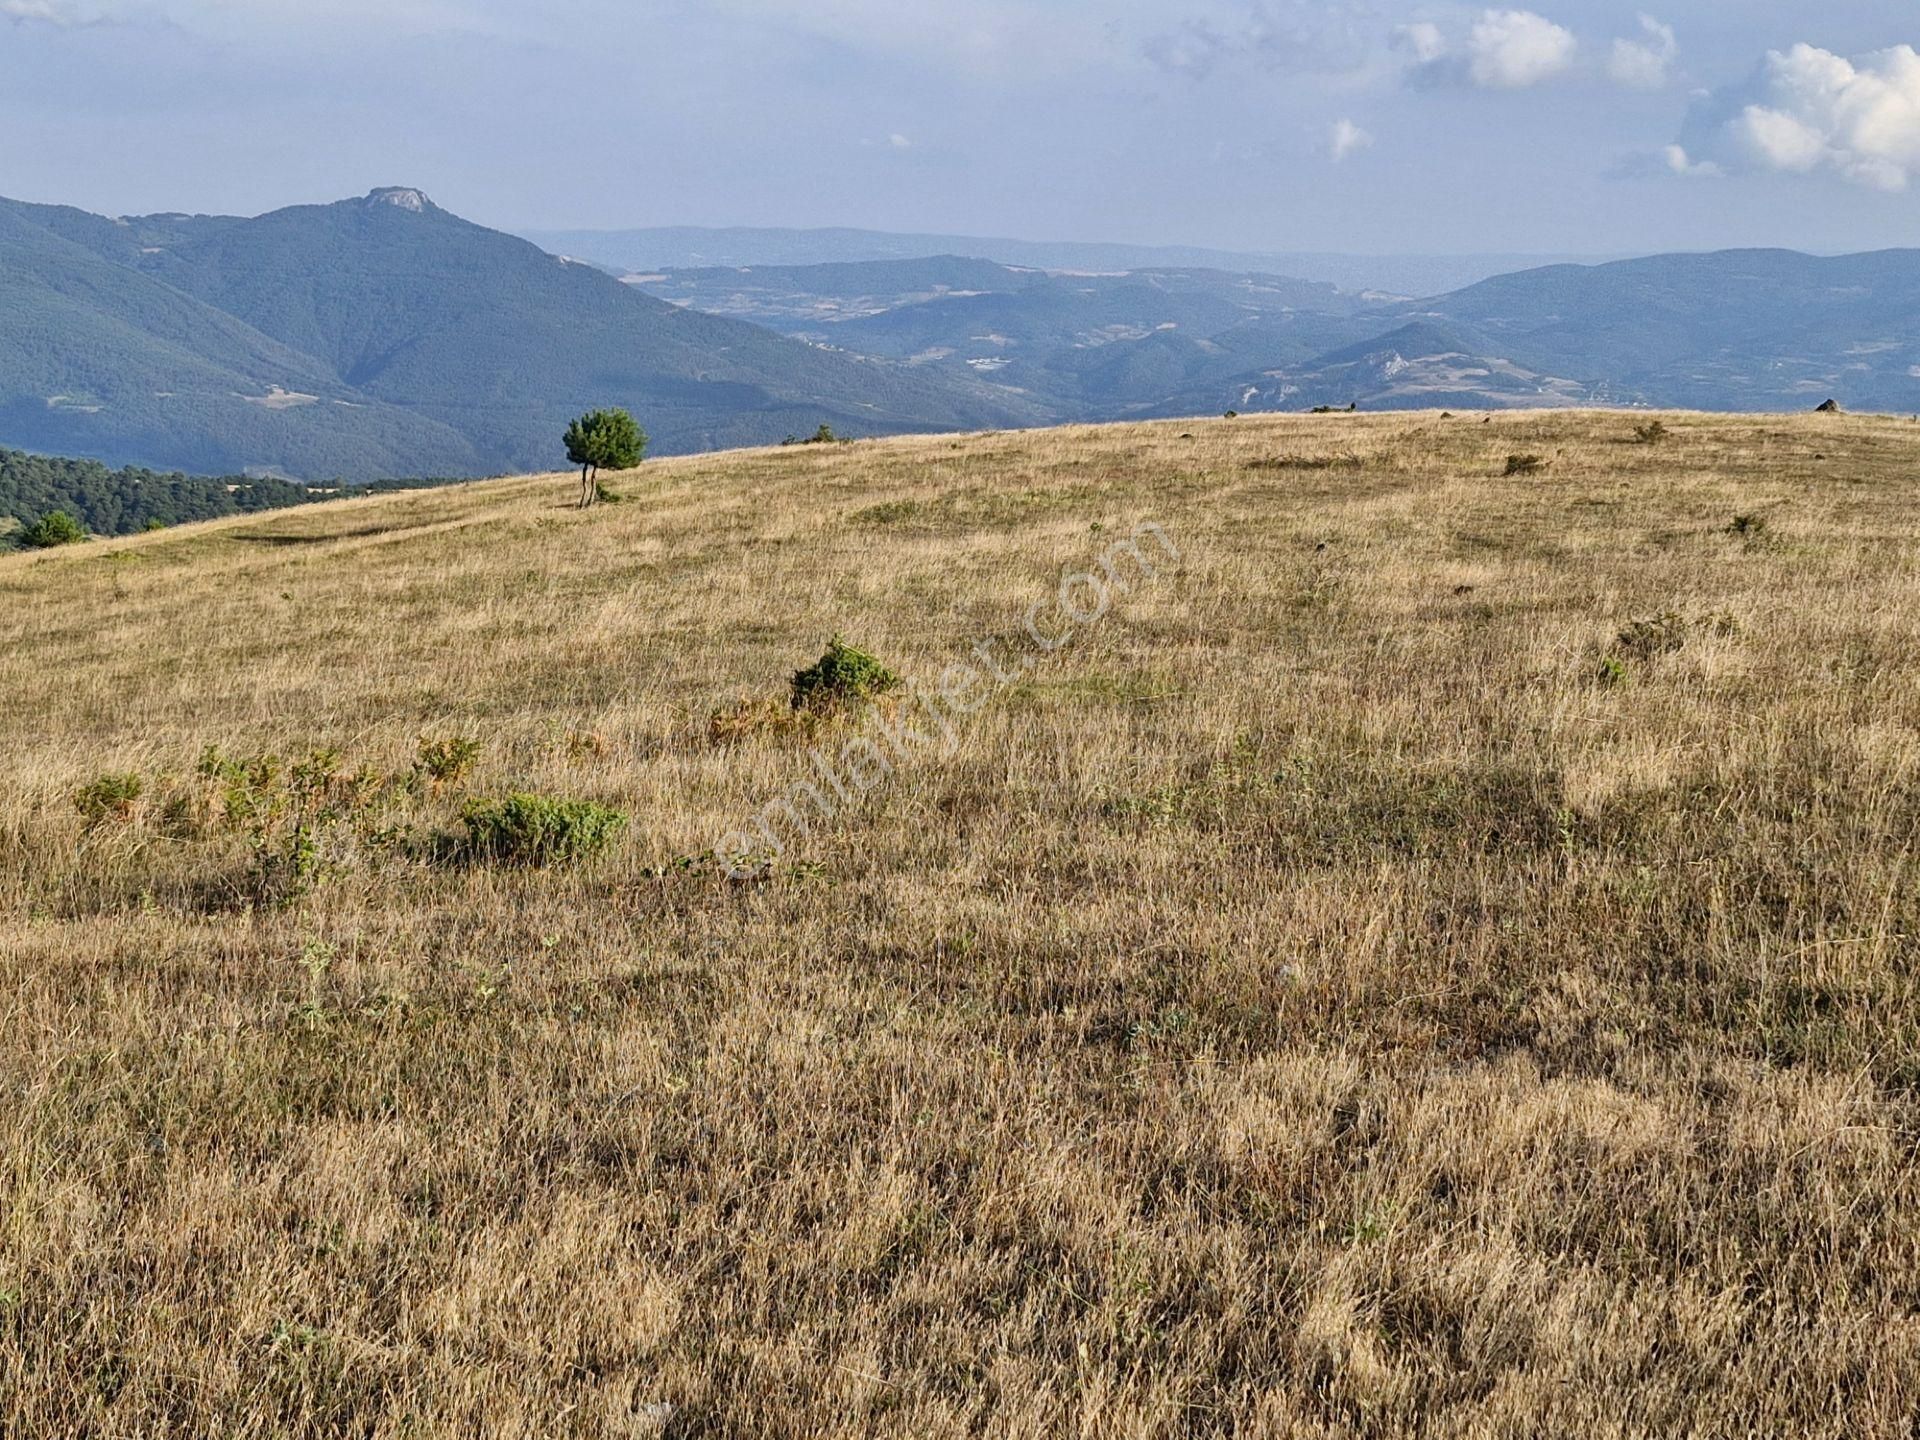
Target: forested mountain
{"points": [[1734, 330], [385, 336], [99, 358]]}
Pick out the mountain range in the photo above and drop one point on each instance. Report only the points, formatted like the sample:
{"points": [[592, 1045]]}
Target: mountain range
{"points": [[684, 247], [384, 337], [1735, 330]]}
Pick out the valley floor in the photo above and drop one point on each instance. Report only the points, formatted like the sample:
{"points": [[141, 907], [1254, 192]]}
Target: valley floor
{"points": [[1432, 950]]}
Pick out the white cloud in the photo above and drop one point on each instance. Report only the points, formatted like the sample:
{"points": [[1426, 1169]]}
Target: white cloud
{"points": [[1781, 140], [1514, 49], [1646, 63], [1676, 159], [1422, 40], [1504, 50], [1345, 139], [899, 141], [1811, 110]]}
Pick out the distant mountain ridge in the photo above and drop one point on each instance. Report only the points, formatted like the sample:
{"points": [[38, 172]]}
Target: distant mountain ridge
{"points": [[385, 336], [688, 247], [1732, 330]]}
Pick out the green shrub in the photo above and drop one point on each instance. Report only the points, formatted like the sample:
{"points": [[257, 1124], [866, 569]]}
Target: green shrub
{"points": [[108, 797], [285, 864], [845, 675], [56, 527], [1526, 464], [447, 760], [1652, 433], [302, 818], [526, 829], [1748, 527]]}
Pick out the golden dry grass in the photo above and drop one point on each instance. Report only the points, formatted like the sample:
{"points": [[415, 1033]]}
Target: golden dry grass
{"points": [[1316, 1001]]}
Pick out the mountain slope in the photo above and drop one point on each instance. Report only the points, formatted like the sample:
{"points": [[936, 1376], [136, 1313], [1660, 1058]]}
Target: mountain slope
{"points": [[1734, 330], [1084, 346], [98, 359], [383, 336], [1423, 364], [1754, 329], [384, 290]]}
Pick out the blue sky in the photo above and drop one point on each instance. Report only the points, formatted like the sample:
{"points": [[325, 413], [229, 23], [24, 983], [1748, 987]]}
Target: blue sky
{"points": [[1368, 126]]}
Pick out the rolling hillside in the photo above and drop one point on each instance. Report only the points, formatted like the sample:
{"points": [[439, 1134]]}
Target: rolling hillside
{"points": [[1402, 948]]}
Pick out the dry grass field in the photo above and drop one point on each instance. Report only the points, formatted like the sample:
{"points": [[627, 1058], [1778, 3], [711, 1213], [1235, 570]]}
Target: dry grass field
{"points": [[1436, 958]]}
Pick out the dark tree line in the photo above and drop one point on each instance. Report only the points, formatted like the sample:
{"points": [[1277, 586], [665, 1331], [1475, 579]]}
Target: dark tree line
{"points": [[123, 502]]}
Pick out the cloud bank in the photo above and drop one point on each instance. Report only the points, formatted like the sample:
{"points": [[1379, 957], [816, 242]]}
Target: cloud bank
{"points": [[1809, 110]]}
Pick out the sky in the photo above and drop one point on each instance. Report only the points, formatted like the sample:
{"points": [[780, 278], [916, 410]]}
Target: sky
{"points": [[1364, 126]]}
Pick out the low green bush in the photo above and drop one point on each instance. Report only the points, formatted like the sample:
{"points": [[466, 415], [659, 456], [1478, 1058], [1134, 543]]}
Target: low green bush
{"points": [[537, 830], [845, 675]]}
